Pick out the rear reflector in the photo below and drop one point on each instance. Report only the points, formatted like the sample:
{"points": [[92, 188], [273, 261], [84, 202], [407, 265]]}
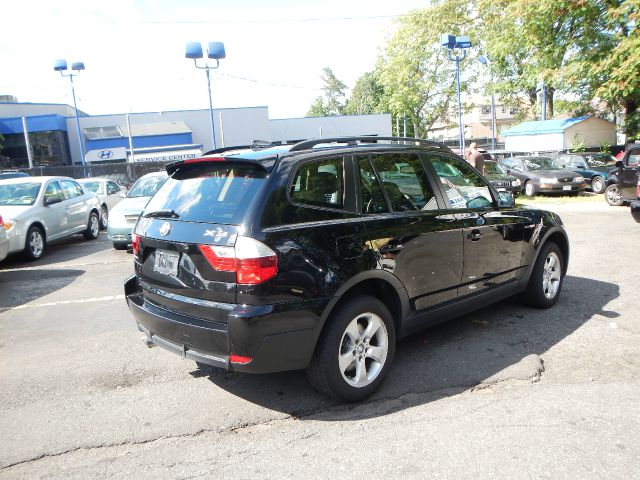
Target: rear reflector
{"points": [[135, 243], [252, 261], [638, 189], [239, 359]]}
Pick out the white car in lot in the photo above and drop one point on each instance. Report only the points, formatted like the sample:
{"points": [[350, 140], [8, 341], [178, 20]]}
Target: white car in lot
{"points": [[109, 194], [37, 210], [4, 241]]}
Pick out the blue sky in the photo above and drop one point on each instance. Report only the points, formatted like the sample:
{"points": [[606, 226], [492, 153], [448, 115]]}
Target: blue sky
{"points": [[134, 50]]}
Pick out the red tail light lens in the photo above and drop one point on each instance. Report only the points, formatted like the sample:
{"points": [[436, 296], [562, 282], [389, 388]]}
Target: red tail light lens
{"points": [[1, 221], [252, 261], [135, 243], [637, 194]]}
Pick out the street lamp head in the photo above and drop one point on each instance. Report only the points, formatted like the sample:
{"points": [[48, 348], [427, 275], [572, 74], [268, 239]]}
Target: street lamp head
{"points": [[448, 41], [60, 65], [193, 50], [215, 50], [463, 42], [77, 66]]}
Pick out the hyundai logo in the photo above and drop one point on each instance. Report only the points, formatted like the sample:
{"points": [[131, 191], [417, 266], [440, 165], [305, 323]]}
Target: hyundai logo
{"points": [[105, 154]]}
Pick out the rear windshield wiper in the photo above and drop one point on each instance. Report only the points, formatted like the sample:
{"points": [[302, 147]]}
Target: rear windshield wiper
{"points": [[162, 214]]}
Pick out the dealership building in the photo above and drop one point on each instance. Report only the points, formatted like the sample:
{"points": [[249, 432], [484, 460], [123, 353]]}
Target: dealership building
{"points": [[41, 134]]}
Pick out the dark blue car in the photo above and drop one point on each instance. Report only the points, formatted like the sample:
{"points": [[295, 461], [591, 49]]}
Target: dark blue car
{"points": [[593, 166]]}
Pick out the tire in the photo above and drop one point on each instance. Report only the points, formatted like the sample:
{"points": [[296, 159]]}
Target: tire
{"points": [[104, 217], [529, 189], [597, 185], [546, 278], [612, 195], [93, 227], [120, 245], [355, 351], [35, 244]]}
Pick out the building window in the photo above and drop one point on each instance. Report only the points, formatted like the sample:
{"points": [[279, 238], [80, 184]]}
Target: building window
{"points": [[485, 110]]}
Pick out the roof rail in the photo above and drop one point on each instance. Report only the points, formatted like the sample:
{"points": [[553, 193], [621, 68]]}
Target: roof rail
{"points": [[256, 145], [308, 144]]}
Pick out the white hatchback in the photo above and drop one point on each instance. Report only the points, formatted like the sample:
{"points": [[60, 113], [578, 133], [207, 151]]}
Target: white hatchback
{"points": [[36, 210]]}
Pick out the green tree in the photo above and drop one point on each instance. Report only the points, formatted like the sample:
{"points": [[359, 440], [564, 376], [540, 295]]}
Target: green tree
{"points": [[333, 100], [416, 75], [366, 96]]}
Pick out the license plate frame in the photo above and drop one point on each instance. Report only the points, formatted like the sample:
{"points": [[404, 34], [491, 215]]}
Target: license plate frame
{"points": [[166, 262], [566, 188]]}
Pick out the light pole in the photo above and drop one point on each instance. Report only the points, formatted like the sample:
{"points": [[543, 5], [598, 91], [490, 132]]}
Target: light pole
{"points": [[215, 51], [485, 61], [77, 67], [451, 42]]}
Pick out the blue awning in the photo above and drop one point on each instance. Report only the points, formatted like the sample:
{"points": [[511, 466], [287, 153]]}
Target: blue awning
{"points": [[540, 127], [37, 123]]}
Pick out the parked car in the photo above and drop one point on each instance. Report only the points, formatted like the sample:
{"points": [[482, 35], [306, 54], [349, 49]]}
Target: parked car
{"points": [[125, 214], [543, 175], [499, 178], [623, 179], [594, 167], [37, 210], [109, 194], [7, 174], [319, 256], [4, 241]]}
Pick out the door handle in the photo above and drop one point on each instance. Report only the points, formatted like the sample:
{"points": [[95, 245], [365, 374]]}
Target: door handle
{"points": [[474, 236]]}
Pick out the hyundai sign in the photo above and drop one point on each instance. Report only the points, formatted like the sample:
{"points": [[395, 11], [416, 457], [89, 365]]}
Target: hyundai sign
{"points": [[106, 155]]}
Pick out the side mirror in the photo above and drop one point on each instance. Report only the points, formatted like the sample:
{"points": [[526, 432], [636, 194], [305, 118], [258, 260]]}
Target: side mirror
{"points": [[51, 200], [506, 200], [478, 202], [123, 194], [619, 164]]}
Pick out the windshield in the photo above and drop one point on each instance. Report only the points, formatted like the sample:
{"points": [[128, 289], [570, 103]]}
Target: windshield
{"points": [[19, 193], [538, 163], [491, 168], [211, 193], [146, 187], [600, 160], [91, 186]]}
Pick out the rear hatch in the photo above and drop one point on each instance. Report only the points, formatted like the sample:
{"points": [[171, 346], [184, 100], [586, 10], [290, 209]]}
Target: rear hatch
{"points": [[190, 252]]}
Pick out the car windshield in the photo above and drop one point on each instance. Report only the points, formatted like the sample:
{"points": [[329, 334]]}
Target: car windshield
{"points": [[492, 168], [146, 187], [600, 160], [538, 163], [209, 192], [91, 186], [19, 193]]}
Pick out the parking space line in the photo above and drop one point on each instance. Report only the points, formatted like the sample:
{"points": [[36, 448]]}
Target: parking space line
{"points": [[69, 302], [62, 265]]}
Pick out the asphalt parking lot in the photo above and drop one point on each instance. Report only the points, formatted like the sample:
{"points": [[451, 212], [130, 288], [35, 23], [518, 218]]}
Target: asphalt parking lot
{"points": [[504, 392]]}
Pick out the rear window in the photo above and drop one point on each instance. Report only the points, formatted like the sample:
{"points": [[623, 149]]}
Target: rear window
{"points": [[19, 193], [93, 187], [212, 193]]}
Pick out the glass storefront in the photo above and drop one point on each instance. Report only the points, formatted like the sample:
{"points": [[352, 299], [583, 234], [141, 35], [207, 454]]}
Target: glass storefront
{"points": [[49, 148]]}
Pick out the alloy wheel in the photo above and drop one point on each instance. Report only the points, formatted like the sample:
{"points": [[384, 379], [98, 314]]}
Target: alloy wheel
{"points": [[551, 275], [363, 350]]}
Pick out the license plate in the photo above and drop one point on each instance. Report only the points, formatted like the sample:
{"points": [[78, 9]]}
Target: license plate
{"points": [[166, 263], [502, 189], [567, 187]]}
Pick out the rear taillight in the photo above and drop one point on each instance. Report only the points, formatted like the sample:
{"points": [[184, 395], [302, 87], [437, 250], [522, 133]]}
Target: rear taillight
{"points": [[252, 261], [637, 192], [135, 243], [1, 221]]}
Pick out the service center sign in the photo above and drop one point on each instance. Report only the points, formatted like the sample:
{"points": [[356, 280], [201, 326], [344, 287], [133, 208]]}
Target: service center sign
{"points": [[167, 156]]}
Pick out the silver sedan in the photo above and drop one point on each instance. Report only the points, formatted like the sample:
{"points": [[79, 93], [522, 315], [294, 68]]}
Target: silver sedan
{"points": [[109, 193], [36, 210]]}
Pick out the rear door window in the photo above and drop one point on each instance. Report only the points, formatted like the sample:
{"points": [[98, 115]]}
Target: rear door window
{"points": [[208, 192], [319, 183]]}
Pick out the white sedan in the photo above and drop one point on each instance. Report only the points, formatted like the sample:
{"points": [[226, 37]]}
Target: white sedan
{"points": [[37, 210], [109, 194]]}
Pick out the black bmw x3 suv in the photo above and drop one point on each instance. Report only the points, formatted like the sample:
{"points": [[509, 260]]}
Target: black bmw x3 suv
{"points": [[322, 254]]}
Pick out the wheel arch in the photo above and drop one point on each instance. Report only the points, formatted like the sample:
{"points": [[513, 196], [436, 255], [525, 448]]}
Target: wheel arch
{"points": [[40, 225], [379, 284]]}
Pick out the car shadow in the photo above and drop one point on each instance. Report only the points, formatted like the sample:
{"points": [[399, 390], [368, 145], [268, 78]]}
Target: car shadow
{"points": [[64, 250], [460, 355], [18, 287]]}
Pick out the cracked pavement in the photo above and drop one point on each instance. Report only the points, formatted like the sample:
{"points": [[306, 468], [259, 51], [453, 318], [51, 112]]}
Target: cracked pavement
{"points": [[505, 391]]}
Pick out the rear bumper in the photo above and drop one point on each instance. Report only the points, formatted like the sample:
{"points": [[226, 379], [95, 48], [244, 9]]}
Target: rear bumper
{"points": [[120, 234], [275, 337], [560, 188]]}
